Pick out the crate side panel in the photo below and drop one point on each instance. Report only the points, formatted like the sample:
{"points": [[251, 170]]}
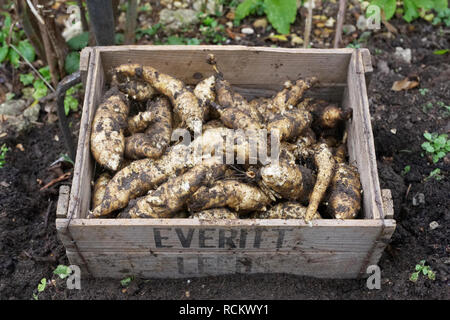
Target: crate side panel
{"points": [[175, 265], [360, 138], [81, 185], [266, 68], [203, 237]]}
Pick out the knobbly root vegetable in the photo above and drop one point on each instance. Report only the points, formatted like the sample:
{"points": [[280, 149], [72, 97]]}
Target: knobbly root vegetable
{"points": [[231, 100], [340, 153], [107, 137], [286, 210], [211, 214], [290, 123], [326, 115], [140, 122], [99, 189], [324, 161], [204, 91], [213, 124], [304, 144], [171, 196], [285, 99], [152, 143], [288, 180], [185, 104], [344, 201], [140, 176], [137, 90], [239, 196], [236, 119]]}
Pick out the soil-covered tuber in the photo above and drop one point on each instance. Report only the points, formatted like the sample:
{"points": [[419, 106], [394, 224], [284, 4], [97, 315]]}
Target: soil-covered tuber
{"points": [[234, 194], [156, 138], [185, 104], [107, 137], [171, 196]]}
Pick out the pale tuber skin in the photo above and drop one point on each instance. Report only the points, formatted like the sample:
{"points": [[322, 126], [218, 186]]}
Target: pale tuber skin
{"points": [[212, 214], [287, 210], [107, 137], [171, 196], [185, 104], [99, 188], [324, 161], [234, 194], [155, 140]]}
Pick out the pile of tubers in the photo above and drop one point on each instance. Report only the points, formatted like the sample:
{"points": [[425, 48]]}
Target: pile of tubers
{"points": [[141, 138]]}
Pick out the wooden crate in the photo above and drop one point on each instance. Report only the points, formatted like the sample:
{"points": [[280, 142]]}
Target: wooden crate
{"points": [[174, 248]]}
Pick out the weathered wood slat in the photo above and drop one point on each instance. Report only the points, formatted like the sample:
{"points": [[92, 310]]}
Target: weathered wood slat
{"points": [[255, 235], [81, 185], [181, 265], [63, 202], [360, 139], [240, 65]]}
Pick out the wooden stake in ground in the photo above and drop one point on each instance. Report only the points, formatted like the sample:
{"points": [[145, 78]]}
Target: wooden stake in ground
{"points": [[308, 24], [130, 26], [340, 23]]}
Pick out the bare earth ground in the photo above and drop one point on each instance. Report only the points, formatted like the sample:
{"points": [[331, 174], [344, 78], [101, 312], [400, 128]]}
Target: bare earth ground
{"points": [[30, 250]]}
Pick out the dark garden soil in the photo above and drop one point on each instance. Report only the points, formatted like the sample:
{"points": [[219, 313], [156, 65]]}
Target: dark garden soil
{"points": [[30, 250]]}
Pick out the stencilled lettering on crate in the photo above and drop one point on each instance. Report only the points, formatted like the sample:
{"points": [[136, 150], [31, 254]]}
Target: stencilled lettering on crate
{"points": [[219, 238]]}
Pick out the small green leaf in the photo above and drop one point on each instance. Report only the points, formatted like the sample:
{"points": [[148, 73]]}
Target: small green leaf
{"points": [[62, 271], [440, 52], [281, 13], [193, 42], [418, 267], [72, 62], [40, 89], [174, 40], [45, 73], [388, 7], [42, 285], [26, 78], [27, 50], [414, 276], [245, 8], [411, 11], [14, 58], [79, 42], [427, 136], [431, 275], [70, 104], [427, 147], [126, 282], [3, 52]]}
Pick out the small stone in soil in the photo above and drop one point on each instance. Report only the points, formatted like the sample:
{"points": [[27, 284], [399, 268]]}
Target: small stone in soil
{"points": [[418, 199], [433, 225], [247, 31]]}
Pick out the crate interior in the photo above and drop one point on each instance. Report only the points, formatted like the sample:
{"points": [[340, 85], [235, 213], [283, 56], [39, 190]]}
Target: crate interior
{"points": [[252, 72]]}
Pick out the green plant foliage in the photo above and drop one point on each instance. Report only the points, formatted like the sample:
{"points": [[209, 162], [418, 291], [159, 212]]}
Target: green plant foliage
{"points": [[280, 13], [40, 89], [26, 78], [11, 35], [442, 17], [247, 8], [149, 31], [3, 150], [437, 145], [126, 282], [79, 42], [72, 62], [413, 9], [62, 271], [71, 102], [425, 270]]}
